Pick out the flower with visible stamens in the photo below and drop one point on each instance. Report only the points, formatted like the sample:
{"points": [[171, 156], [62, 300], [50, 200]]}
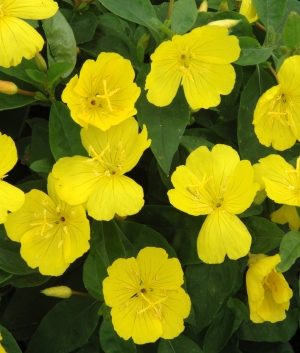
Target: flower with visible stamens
{"points": [[104, 94], [99, 181], [146, 296], [277, 113], [221, 186], [199, 61], [52, 233]]}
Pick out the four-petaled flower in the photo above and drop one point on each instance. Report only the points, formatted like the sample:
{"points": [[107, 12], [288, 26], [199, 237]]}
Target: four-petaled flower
{"points": [[145, 295], [277, 113], [18, 39], [52, 233], [268, 292], [219, 185], [11, 198], [248, 10], [200, 61], [104, 94], [99, 181]]}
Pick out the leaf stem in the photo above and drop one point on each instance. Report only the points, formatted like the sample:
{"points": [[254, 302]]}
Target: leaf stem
{"points": [[260, 26], [274, 73], [170, 9]]}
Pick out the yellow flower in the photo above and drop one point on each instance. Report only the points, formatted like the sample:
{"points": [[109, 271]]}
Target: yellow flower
{"points": [[282, 180], [200, 61], [145, 295], [286, 214], [247, 9], [11, 198], [268, 292], [99, 181], [104, 94], [18, 39], [52, 233], [219, 185], [277, 113]]}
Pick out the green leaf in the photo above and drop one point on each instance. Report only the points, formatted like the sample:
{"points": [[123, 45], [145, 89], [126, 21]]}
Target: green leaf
{"points": [[165, 125], [239, 308], [178, 228], [270, 12], [251, 52], [66, 327], [64, 133], [183, 17], [111, 342], [8, 342], [178, 344], [43, 166], [61, 43], [137, 11], [112, 236], [40, 147], [267, 235], [208, 286], [289, 250], [19, 71], [193, 142], [249, 146], [37, 76], [265, 347], [291, 31], [281, 331], [25, 281], [219, 331], [56, 71]]}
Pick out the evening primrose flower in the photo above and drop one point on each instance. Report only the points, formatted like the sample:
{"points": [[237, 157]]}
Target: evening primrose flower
{"points": [[104, 94], [99, 181], [286, 214], [11, 198], [282, 180], [277, 113], [52, 233], [18, 39], [145, 295], [199, 61], [219, 185], [268, 292], [247, 9]]}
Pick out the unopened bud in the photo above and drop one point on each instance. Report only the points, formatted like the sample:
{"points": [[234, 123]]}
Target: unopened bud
{"points": [[203, 7], [224, 23], [260, 197], [40, 62], [8, 87], [120, 218], [223, 6], [78, 50], [58, 292]]}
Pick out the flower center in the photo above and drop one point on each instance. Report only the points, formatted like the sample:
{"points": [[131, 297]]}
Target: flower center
{"points": [[280, 110], [154, 306], [185, 59]]}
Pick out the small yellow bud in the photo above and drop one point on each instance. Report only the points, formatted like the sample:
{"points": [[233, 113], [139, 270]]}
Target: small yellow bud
{"points": [[77, 50], [260, 197], [40, 62], [224, 23], [223, 6], [120, 218], [58, 292], [7, 87], [203, 7]]}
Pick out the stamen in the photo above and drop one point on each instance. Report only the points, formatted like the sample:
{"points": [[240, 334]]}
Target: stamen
{"points": [[107, 94], [157, 311]]}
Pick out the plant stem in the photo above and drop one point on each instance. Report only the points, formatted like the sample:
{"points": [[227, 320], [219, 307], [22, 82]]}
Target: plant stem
{"points": [[170, 9]]}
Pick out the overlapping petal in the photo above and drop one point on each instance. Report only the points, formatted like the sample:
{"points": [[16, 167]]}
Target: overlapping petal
{"points": [[286, 214], [30, 9]]}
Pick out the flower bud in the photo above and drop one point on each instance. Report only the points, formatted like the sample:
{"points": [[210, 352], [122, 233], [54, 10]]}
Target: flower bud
{"points": [[224, 23], [40, 62], [223, 6], [203, 7], [58, 292], [120, 218], [7, 87]]}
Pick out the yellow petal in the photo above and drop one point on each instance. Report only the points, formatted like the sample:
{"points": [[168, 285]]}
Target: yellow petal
{"points": [[30, 9], [157, 271], [288, 75], [8, 154], [11, 199], [247, 9], [286, 214], [270, 310], [281, 292], [18, 39], [241, 189], [116, 194], [222, 234]]}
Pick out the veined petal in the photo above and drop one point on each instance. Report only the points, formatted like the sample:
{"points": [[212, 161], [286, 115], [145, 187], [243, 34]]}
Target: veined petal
{"points": [[77, 177], [30, 9], [11, 199], [281, 292], [157, 271], [115, 194], [286, 214], [270, 310], [123, 282], [174, 310], [222, 233], [288, 75], [18, 39], [241, 189], [247, 9], [8, 154]]}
